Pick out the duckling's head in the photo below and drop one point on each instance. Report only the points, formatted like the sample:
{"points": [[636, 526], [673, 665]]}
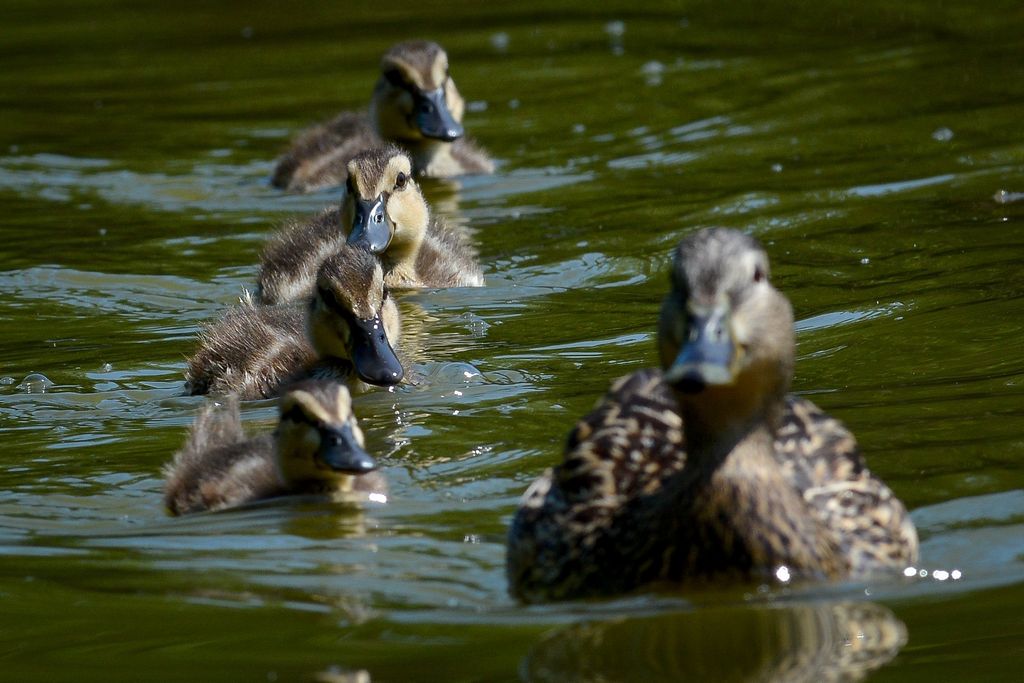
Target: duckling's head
{"points": [[383, 205], [725, 334], [353, 316], [415, 99], [318, 439]]}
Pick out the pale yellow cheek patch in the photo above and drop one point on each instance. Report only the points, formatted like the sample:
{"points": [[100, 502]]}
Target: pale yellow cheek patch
{"points": [[342, 405], [439, 69]]}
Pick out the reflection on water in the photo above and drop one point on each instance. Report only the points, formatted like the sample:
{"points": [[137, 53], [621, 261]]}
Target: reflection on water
{"points": [[792, 643]]}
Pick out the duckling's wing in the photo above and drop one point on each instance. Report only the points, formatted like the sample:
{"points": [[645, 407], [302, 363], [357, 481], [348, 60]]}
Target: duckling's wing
{"points": [[447, 258], [219, 467], [822, 460], [565, 539], [471, 156], [292, 257], [250, 351], [319, 155]]}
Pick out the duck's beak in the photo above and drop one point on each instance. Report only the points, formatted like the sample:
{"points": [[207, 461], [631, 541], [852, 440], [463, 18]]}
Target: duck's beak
{"points": [[434, 119], [372, 355], [340, 451], [371, 229], [708, 356]]}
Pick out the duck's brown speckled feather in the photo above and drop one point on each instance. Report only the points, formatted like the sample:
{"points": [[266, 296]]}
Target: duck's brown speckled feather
{"points": [[595, 525]]}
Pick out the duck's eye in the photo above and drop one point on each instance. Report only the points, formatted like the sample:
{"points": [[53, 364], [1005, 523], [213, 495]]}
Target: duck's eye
{"points": [[401, 180], [387, 293], [758, 273]]}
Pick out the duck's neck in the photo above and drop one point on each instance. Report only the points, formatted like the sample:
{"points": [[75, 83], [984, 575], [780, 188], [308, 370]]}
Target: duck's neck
{"points": [[743, 507], [729, 423]]}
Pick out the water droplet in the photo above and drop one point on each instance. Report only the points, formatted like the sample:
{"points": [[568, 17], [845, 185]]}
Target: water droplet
{"points": [[499, 41], [35, 383], [942, 134], [615, 28], [864, 261], [652, 72]]}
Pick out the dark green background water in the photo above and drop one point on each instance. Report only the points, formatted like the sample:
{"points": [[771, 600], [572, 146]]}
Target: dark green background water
{"points": [[863, 146]]}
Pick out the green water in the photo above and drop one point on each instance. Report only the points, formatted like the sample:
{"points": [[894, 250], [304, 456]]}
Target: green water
{"points": [[863, 146]]}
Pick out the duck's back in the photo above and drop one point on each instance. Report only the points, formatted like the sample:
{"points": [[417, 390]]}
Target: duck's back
{"points": [[251, 351], [219, 467], [293, 255], [319, 155], [581, 529]]}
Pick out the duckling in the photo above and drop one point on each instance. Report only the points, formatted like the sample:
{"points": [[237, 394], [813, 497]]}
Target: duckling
{"points": [[707, 468], [345, 334], [316, 448], [383, 211], [415, 104]]}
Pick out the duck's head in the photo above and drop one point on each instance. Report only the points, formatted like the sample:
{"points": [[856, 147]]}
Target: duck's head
{"points": [[725, 333], [415, 99], [318, 438], [353, 316], [383, 207]]}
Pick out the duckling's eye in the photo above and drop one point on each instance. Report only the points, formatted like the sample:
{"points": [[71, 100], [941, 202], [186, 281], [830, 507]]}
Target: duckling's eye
{"points": [[401, 180], [758, 273], [394, 77]]}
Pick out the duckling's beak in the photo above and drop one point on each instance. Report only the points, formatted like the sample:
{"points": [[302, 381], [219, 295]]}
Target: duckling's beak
{"points": [[375, 360], [433, 117], [340, 451], [708, 356], [371, 229]]}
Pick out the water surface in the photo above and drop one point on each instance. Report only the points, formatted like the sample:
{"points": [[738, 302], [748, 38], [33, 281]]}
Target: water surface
{"points": [[864, 147]]}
